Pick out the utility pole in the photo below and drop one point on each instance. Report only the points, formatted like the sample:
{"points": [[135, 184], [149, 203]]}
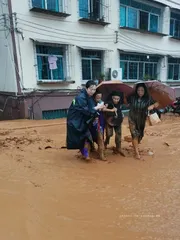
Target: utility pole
{"points": [[12, 31]]}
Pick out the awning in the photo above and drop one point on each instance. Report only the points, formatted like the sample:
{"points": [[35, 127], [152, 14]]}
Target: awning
{"points": [[175, 7], [94, 48], [140, 52], [173, 56], [38, 40], [158, 2]]}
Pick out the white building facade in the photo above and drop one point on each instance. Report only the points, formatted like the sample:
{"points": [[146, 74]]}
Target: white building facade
{"points": [[50, 48]]}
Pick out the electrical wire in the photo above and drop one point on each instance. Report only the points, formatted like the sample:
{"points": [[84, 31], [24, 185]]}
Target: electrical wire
{"points": [[133, 41], [10, 96], [42, 16], [60, 38], [137, 48], [128, 38], [13, 64], [65, 31], [63, 34], [5, 75], [8, 47], [6, 101], [136, 45], [123, 38]]}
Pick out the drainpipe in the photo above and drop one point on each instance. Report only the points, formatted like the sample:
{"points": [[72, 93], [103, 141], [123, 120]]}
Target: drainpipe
{"points": [[14, 47]]}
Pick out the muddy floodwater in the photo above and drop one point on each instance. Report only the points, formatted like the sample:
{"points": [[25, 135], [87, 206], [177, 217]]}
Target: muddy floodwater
{"points": [[49, 193]]}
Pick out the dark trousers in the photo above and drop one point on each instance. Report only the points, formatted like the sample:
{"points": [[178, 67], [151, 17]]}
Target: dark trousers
{"points": [[109, 134]]}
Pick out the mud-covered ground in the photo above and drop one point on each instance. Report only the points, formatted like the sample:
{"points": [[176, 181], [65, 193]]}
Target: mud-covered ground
{"points": [[49, 193]]}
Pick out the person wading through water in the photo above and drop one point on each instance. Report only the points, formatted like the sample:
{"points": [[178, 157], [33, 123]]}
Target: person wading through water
{"points": [[80, 115], [140, 103], [114, 119]]}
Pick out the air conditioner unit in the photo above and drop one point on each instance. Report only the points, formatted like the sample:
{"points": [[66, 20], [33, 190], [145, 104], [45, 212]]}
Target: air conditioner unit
{"points": [[116, 74]]}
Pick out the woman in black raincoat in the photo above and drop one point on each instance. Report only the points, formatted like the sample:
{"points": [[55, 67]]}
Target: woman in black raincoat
{"points": [[81, 114]]}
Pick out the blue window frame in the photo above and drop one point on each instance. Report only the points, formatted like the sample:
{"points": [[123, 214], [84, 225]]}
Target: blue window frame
{"points": [[52, 5], [138, 15], [123, 16], [138, 67], [175, 25], [45, 72], [172, 27], [174, 69], [141, 6], [91, 64], [83, 8], [132, 17], [38, 3], [133, 70], [91, 9], [153, 23], [144, 20], [54, 114]]}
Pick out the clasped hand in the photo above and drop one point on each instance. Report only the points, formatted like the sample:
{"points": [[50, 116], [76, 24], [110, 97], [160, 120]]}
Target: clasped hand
{"points": [[150, 107]]}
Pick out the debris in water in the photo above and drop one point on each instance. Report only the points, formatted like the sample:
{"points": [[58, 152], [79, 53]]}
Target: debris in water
{"points": [[150, 153], [128, 138], [47, 147], [167, 144]]}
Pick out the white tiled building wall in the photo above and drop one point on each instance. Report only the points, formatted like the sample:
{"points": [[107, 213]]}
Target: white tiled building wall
{"points": [[45, 28]]}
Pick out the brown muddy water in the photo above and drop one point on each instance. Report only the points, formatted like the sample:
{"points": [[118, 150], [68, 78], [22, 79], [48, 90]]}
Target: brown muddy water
{"points": [[51, 194]]}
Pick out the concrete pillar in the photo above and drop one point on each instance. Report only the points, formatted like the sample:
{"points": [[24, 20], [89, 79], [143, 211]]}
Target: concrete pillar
{"points": [[166, 20], [163, 69]]}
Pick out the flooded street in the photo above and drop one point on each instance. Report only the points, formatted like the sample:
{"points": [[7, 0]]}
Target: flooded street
{"points": [[49, 193]]}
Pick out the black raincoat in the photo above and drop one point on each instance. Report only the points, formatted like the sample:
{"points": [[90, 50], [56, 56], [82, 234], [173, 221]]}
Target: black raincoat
{"points": [[80, 115]]}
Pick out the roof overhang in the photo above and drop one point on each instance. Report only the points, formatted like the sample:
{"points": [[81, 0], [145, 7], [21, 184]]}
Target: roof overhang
{"points": [[94, 48], [38, 40], [173, 56], [141, 53]]}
